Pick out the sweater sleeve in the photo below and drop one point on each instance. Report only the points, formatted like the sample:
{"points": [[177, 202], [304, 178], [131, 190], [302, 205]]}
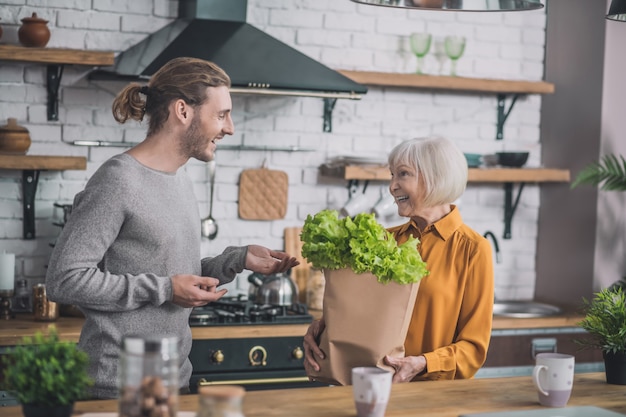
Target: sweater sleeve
{"points": [[226, 265], [78, 272]]}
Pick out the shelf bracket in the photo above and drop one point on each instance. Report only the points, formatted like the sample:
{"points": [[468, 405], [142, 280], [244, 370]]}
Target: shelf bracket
{"points": [[53, 78], [329, 105], [510, 206], [502, 114], [30, 179], [353, 187]]}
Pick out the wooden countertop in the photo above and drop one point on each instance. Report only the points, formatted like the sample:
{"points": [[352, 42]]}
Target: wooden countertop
{"points": [[12, 331], [432, 399]]}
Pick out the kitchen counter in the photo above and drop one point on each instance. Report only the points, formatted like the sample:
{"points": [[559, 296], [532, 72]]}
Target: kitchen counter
{"points": [[12, 331], [432, 399]]}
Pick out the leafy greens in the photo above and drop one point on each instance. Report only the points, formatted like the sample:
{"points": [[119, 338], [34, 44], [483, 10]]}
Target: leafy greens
{"points": [[360, 243]]}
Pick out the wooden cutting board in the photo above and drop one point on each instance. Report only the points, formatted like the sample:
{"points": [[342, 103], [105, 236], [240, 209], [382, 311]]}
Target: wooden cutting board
{"points": [[300, 273], [263, 194]]}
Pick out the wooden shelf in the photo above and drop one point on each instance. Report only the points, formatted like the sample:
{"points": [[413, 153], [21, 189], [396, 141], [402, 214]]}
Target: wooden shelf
{"points": [[55, 58], [387, 79], [502, 88], [518, 175], [41, 162], [31, 165], [505, 176], [476, 175], [56, 55]]}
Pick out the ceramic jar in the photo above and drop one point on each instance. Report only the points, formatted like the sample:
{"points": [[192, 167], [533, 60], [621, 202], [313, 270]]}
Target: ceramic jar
{"points": [[14, 139], [220, 401], [34, 32]]}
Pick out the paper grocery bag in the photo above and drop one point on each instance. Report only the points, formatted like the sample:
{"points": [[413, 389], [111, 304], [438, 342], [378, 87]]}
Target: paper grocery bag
{"points": [[365, 320]]}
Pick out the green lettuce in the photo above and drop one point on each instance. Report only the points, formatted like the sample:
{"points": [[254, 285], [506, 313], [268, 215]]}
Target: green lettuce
{"points": [[360, 243]]}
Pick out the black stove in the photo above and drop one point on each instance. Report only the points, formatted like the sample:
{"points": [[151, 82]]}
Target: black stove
{"points": [[260, 361], [233, 311]]}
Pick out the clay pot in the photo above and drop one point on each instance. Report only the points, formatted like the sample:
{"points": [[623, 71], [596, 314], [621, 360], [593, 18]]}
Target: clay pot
{"points": [[14, 139], [34, 32]]}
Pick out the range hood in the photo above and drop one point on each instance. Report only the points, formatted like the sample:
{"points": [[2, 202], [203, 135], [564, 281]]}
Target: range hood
{"points": [[216, 30]]}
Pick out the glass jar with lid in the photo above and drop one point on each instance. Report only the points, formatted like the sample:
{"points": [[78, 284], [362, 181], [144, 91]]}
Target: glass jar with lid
{"points": [[22, 300], [221, 401], [149, 382]]}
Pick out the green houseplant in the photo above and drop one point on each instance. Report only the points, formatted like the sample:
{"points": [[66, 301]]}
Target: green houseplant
{"points": [[46, 375], [610, 172], [605, 321], [605, 316]]}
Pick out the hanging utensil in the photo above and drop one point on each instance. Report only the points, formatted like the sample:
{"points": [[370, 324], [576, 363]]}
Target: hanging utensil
{"points": [[208, 224]]}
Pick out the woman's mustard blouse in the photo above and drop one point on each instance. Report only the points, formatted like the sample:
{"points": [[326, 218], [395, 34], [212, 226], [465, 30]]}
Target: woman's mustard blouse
{"points": [[451, 322]]}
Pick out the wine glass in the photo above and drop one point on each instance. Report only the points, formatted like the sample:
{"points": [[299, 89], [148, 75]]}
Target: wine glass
{"points": [[420, 45], [439, 52], [455, 46]]}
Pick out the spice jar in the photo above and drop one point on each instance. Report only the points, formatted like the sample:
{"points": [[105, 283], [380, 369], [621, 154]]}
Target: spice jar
{"points": [[315, 289], [43, 309], [149, 377], [220, 401]]}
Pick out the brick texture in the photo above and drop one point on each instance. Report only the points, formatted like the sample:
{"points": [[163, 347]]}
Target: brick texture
{"points": [[341, 34]]}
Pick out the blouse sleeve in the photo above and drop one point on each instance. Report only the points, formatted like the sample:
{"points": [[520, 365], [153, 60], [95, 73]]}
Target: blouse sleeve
{"points": [[464, 357]]}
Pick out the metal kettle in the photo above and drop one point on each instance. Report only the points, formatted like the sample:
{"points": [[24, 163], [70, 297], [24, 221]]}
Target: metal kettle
{"points": [[278, 290]]}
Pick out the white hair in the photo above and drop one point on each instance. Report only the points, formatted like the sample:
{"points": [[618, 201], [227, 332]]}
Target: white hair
{"points": [[441, 165]]}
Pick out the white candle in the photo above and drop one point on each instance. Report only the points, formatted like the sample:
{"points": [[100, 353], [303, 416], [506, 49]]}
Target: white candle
{"points": [[7, 271]]}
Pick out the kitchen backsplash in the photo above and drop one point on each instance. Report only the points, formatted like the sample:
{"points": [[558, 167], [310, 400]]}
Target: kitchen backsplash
{"points": [[338, 33]]}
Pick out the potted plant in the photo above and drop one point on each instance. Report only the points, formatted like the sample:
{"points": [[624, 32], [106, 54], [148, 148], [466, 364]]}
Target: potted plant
{"points": [[46, 375], [605, 316], [605, 321]]}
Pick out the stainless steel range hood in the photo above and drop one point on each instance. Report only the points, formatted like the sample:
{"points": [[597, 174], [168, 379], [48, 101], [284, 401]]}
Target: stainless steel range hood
{"points": [[216, 30]]}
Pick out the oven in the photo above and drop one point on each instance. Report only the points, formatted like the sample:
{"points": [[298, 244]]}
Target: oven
{"points": [[263, 361]]}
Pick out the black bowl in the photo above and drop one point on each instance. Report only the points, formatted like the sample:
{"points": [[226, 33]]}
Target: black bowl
{"points": [[512, 159]]}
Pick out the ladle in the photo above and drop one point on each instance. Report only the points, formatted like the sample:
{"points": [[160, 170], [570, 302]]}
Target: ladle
{"points": [[208, 224]]}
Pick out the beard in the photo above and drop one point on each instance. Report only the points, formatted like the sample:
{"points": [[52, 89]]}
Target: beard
{"points": [[194, 144]]}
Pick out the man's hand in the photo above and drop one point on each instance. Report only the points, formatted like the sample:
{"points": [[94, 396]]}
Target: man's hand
{"points": [[194, 291], [265, 261], [311, 345]]}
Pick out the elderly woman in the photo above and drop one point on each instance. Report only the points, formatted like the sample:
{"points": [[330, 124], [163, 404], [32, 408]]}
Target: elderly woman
{"points": [[451, 323]]}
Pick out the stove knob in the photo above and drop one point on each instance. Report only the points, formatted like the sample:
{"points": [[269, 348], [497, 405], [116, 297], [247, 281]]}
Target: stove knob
{"points": [[297, 353], [217, 356]]}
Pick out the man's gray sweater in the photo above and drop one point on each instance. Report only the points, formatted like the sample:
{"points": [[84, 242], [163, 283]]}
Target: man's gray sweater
{"points": [[131, 229]]}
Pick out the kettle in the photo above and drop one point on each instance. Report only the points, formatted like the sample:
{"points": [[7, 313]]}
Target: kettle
{"points": [[278, 289]]}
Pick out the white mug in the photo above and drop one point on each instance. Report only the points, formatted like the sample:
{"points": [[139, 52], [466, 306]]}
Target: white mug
{"points": [[553, 376], [371, 387], [385, 206], [355, 205]]}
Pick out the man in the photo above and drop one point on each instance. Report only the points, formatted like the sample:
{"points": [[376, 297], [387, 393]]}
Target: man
{"points": [[129, 255]]}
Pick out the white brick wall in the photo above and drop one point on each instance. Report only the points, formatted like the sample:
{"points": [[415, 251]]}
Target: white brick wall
{"points": [[341, 34]]}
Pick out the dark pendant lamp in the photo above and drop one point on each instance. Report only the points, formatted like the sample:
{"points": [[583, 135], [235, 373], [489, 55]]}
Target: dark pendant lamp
{"points": [[465, 5], [617, 11]]}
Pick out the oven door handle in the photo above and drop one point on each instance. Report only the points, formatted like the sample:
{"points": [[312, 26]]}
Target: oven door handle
{"points": [[203, 382]]}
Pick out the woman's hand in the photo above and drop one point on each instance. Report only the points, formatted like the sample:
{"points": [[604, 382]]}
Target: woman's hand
{"points": [[311, 345], [406, 368]]}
